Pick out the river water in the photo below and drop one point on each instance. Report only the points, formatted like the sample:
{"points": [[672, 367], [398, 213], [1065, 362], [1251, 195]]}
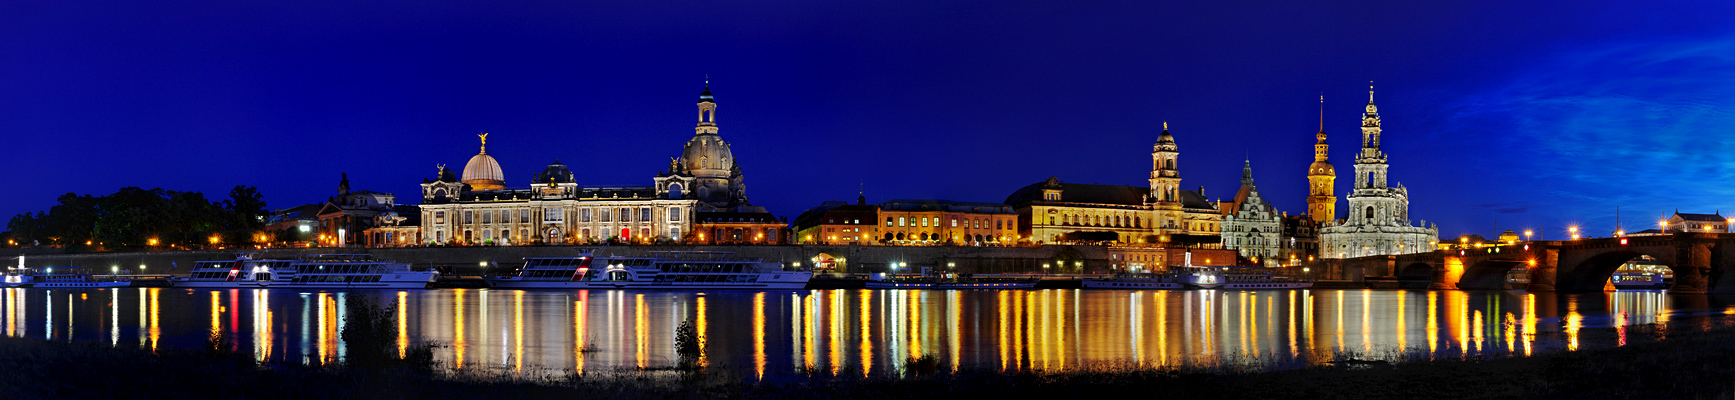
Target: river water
{"points": [[767, 334]]}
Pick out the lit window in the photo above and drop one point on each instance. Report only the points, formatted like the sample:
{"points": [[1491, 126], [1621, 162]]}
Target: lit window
{"points": [[674, 215]]}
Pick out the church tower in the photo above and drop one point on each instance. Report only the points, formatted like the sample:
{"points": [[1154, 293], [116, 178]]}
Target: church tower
{"points": [[1370, 163], [1165, 193], [1321, 178]]}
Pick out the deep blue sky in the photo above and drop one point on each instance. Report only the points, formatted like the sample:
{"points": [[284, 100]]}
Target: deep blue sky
{"points": [[1529, 113]]}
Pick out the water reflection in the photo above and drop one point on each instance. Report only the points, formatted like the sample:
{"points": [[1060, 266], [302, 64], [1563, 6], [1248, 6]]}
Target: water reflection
{"points": [[852, 331]]}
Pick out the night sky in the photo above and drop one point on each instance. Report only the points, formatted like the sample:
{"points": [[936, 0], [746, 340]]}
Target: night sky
{"points": [[1530, 114]]}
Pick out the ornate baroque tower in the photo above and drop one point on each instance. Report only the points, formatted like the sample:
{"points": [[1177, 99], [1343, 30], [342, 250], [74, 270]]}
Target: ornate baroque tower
{"points": [[1166, 181], [1321, 178]]}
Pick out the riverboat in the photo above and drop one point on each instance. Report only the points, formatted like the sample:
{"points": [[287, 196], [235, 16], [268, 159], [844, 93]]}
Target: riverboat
{"points": [[662, 270], [319, 271], [945, 282], [1260, 278], [1638, 280], [60, 278], [1147, 281], [1194, 277]]}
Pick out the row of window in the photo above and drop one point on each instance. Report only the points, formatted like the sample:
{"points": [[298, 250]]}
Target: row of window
{"points": [[558, 215], [337, 278], [1098, 220], [924, 221]]}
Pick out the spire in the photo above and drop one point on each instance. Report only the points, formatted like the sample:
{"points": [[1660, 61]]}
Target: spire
{"points": [[1322, 117], [1247, 172]]}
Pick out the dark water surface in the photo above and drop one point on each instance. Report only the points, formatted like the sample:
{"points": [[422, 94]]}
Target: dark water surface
{"points": [[851, 331]]}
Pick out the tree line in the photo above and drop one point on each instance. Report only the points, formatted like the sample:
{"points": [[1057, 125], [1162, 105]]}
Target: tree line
{"points": [[134, 217]]}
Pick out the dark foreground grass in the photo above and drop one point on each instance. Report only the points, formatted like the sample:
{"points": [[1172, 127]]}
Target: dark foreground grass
{"points": [[1685, 359]]}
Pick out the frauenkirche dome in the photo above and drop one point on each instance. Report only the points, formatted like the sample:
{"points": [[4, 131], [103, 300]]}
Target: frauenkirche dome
{"points": [[482, 172]]}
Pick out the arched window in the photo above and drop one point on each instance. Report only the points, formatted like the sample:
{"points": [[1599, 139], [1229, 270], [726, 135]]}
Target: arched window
{"points": [[1370, 213], [674, 191], [888, 221]]}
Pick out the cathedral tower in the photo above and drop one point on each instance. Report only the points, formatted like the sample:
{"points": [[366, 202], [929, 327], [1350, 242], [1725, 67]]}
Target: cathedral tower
{"points": [[1321, 178]]}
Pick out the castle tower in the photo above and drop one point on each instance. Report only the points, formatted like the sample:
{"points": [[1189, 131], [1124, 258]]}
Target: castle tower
{"points": [[1166, 180], [1321, 178]]}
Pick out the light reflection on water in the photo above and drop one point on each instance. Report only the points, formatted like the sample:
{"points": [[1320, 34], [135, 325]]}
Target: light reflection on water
{"points": [[851, 331]]}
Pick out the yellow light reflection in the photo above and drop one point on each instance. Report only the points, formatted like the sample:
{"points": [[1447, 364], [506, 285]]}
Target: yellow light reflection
{"points": [[1403, 333], [459, 345], [867, 347], [641, 330], [703, 325], [1433, 324], [263, 335], [518, 331], [403, 324], [759, 334]]}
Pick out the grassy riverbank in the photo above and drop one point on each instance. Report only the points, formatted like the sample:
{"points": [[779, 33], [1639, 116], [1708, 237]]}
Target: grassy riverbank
{"points": [[1696, 359]]}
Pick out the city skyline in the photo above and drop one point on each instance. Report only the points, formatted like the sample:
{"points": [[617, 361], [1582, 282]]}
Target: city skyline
{"points": [[959, 116]]}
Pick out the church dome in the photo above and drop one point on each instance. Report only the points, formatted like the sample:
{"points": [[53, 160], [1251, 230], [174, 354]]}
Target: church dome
{"points": [[483, 172], [1321, 168], [708, 156]]}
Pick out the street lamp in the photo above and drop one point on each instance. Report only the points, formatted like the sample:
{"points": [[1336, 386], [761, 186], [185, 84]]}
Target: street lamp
{"points": [[1527, 235], [1574, 231], [1663, 225]]}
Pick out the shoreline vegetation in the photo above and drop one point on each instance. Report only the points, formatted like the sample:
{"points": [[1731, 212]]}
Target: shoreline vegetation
{"points": [[1684, 358]]}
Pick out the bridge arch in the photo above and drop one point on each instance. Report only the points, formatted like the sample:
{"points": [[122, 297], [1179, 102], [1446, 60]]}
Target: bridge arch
{"points": [[1416, 271], [1489, 274], [1592, 274]]}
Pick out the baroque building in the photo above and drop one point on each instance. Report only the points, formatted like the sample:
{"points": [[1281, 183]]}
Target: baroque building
{"points": [[701, 198], [1053, 211], [1254, 230], [1378, 220]]}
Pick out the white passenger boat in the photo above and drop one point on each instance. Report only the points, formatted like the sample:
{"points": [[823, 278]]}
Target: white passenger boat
{"points": [[1638, 280], [1145, 281], [663, 270], [321, 271], [60, 278], [929, 280], [1260, 278], [1193, 277]]}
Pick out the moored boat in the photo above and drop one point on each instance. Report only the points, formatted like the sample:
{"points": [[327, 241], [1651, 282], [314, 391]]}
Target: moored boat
{"points": [[668, 270], [945, 282], [60, 278], [1637, 280], [1261, 278], [320, 271]]}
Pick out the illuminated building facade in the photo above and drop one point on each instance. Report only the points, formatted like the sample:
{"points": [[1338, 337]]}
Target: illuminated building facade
{"points": [[1056, 212], [838, 222], [908, 222], [1378, 222], [1254, 230], [704, 180], [1710, 223]]}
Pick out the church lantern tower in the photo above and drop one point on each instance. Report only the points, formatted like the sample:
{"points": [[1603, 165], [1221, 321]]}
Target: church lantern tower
{"points": [[1165, 194], [1321, 178]]}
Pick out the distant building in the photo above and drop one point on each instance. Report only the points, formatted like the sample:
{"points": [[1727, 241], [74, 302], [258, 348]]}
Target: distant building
{"points": [[295, 224], [908, 222], [343, 219], [1378, 221], [702, 193], [1254, 230], [838, 222], [400, 227], [1712, 223], [1300, 240], [946, 222], [1321, 178]]}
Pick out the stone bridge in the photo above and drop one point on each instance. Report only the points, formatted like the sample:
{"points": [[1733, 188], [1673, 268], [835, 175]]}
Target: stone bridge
{"points": [[1699, 262]]}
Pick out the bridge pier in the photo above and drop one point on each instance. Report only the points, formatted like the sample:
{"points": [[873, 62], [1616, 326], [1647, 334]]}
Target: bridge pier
{"points": [[1542, 274], [1693, 258]]}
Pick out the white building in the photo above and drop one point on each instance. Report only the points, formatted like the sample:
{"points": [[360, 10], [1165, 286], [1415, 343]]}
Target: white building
{"points": [[1377, 221], [478, 208], [1254, 229]]}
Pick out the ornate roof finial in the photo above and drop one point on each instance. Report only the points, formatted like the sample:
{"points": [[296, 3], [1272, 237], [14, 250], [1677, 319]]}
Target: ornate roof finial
{"points": [[1370, 92], [1165, 125], [484, 137]]}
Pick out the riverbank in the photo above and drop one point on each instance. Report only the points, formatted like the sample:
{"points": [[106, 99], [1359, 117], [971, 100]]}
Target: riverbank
{"points": [[1682, 359]]}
